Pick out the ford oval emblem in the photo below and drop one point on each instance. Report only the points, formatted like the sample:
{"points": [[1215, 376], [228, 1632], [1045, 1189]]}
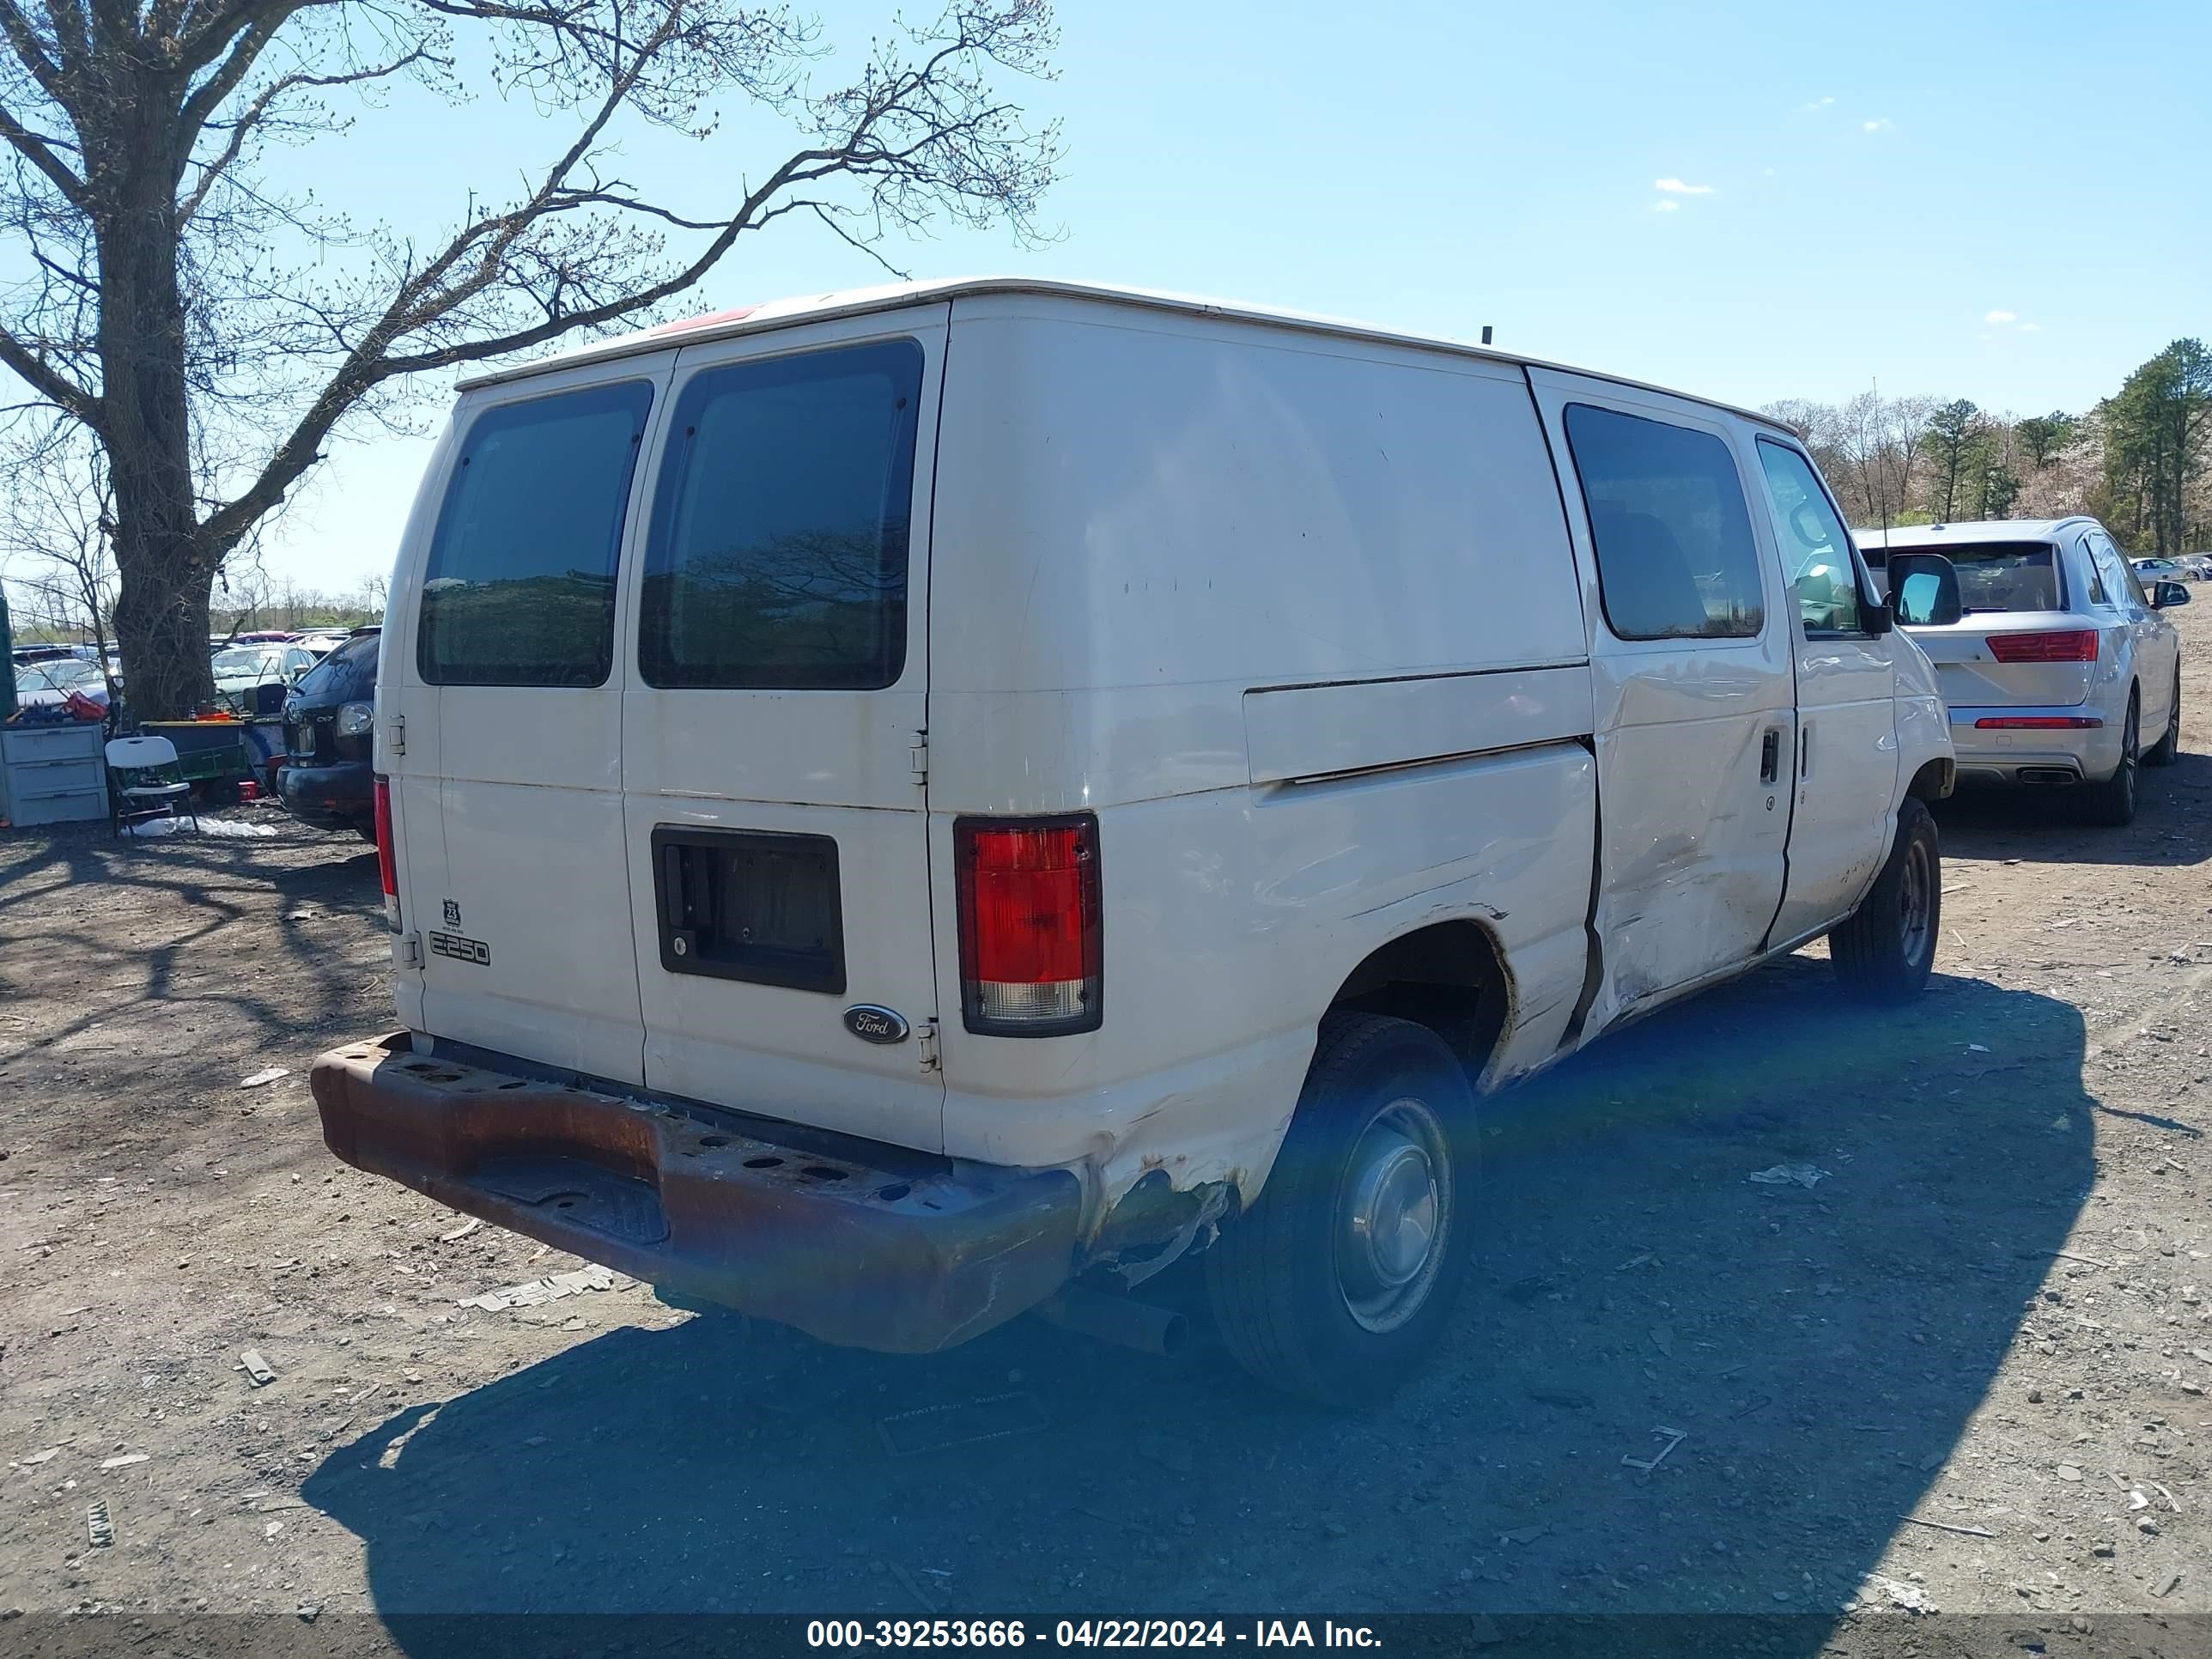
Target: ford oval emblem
{"points": [[873, 1024]]}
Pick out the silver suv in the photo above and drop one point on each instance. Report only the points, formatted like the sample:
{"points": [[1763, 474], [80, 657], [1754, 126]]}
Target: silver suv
{"points": [[2053, 658]]}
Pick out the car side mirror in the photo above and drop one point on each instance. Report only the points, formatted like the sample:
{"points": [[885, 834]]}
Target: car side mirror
{"points": [[1923, 590], [2166, 595]]}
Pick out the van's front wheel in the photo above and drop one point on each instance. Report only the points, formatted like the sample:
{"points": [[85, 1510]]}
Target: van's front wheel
{"points": [[1884, 953], [1337, 1282]]}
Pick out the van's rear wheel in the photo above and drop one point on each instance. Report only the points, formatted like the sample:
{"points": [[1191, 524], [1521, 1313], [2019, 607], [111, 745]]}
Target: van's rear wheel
{"points": [[1337, 1282], [1885, 951], [2113, 801]]}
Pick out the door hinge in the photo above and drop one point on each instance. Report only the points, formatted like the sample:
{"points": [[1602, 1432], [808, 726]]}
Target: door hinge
{"points": [[918, 756], [927, 1037], [398, 729], [407, 949]]}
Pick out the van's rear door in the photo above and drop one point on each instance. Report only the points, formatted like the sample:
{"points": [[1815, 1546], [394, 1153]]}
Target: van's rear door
{"points": [[773, 724], [516, 883]]}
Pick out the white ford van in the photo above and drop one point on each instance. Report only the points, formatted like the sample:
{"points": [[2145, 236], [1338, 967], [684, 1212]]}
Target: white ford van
{"points": [[911, 806]]}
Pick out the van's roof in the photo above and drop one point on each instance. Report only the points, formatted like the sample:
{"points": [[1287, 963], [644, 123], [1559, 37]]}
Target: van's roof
{"points": [[1979, 529], [845, 302]]}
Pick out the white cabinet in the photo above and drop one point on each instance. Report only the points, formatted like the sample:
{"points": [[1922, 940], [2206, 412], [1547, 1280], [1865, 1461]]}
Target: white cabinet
{"points": [[52, 773]]}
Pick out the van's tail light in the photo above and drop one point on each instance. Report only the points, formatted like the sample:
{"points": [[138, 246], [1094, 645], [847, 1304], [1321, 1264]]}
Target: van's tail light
{"points": [[1031, 947], [2068, 645], [387, 861]]}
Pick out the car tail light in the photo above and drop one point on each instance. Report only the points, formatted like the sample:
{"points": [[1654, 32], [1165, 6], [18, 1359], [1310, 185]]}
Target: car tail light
{"points": [[387, 861], [2069, 644], [1030, 945], [2037, 723]]}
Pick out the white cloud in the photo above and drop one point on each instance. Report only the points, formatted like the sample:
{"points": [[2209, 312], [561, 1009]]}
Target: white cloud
{"points": [[1663, 205], [1817, 104], [1677, 187], [1880, 123], [2031, 328], [1994, 317]]}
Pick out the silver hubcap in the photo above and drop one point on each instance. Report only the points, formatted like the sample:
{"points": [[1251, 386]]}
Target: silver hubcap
{"points": [[1392, 1213], [1914, 899]]}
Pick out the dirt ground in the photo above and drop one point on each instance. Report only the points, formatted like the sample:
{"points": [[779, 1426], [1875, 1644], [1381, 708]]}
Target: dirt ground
{"points": [[1963, 1373]]}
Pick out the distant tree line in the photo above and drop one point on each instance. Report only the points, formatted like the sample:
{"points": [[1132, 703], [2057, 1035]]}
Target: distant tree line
{"points": [[2141, 460]]}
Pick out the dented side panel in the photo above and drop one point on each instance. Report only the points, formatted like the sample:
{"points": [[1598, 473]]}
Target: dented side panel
{"points": [[1232, 918]]}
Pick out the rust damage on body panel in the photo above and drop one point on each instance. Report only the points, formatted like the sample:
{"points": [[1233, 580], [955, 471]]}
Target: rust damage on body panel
{"points": [[1156, 1223], [851, 1244]]}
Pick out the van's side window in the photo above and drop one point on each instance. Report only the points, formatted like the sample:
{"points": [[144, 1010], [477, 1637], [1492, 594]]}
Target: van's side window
{"points": [[1816, 549], [2097, 595], [778, 557], [1675, 558], [520, 587]]}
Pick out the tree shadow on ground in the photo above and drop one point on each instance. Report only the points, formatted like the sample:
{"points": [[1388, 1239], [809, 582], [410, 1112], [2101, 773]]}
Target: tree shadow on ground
{"points": [[1819, 1349]]}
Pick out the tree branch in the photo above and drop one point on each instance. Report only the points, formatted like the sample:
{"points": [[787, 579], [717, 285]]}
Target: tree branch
{"points": [[44, 378], [257, 110]]}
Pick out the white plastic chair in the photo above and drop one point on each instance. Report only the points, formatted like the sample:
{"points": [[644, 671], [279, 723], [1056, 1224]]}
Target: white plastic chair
{"points": [[145, 781]]}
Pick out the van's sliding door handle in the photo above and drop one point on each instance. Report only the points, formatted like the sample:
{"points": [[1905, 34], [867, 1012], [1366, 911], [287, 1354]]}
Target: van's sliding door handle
{"points": [[1770, 757]]}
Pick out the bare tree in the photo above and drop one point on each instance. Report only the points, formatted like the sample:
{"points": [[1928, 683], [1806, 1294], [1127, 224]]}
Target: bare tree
{"points": [[161, 304], [55, 534]]}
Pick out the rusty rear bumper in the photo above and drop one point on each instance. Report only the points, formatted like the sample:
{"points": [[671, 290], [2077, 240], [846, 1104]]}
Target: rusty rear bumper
{"points": [[853, 1254]]}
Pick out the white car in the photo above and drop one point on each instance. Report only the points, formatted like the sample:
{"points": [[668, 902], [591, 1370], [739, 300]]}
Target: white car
{"points": [[890, 802], [2058, 669], [239, 668], [2157, 571]]}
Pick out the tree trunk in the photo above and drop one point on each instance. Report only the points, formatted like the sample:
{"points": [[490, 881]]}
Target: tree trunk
{"points": [[164, 570], [161, 630]]}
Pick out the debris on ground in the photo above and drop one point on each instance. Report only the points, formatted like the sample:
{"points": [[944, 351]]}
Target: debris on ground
{"points": [[126, 1460], [461, 1231], [934, 1428], [258, 1369], [219, 828], [1786, 1175], [97, 1528], [1674, 1437], [39, 1457], [1947, 1526], [260, 1077], [1912, 1597], [538, 1291]]}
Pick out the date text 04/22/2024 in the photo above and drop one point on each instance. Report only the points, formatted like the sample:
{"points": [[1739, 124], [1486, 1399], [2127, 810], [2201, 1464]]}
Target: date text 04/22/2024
{"points": [[1085, 1633]]}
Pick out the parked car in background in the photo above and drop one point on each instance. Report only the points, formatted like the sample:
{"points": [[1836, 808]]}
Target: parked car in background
{"points": [[329, 729], [1055, 775], [2058, 663], [241, 668], [2196, 567], [2156, 570], [53, 678]]}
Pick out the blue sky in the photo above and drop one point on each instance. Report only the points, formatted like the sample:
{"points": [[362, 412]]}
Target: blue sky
{"points": [[2001, 201]]}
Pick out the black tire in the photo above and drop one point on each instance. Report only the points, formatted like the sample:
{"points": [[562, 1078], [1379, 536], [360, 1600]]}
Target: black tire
{"points": [[1303, 1299], [2162, 752], [2112, 802], [1884, 953]]}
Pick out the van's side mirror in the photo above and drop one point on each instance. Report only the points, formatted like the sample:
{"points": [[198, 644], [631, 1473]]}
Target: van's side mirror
{"points": [[1923, 590], [2165, 595]]}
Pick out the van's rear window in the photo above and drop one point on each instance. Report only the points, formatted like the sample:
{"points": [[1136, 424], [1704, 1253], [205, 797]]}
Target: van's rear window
{"points": [[778, 557], [520, 587]]}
